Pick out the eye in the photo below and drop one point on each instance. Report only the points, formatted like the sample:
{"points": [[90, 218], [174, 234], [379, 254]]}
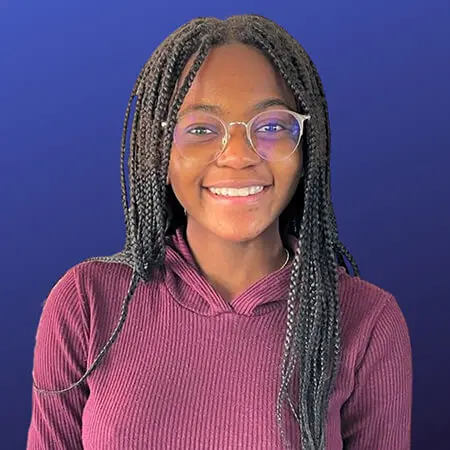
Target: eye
{"points": [[271, 127], [199, 131]]}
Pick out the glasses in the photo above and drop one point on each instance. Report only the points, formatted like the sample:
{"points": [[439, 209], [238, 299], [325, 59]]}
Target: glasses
{"points": [[274, 134]]}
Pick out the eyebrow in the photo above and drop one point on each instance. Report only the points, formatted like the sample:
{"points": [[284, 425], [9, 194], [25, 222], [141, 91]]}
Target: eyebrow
{"points": [[216, 109]]}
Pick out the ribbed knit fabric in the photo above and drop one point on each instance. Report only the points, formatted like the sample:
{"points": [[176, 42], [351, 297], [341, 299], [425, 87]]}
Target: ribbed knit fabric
{"points": [[190, 371]]}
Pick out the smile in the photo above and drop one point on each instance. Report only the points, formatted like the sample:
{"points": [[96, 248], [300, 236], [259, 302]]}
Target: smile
{"points": [[236, 192], [244, 196]]}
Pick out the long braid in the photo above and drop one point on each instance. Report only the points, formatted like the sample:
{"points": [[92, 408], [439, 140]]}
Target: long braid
{"points": [[130, 211], [292, 332], [312, 344], [315, 348]]}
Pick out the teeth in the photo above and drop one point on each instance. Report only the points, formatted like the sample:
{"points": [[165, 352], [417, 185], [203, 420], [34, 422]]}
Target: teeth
{"points": [[232, 192]]}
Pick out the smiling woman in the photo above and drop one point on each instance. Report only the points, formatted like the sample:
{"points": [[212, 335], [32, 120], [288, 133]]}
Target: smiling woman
{"points": [[244, 141], [230, 319]]}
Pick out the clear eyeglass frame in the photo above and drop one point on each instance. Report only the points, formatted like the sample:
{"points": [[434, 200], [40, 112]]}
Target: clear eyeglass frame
{"points": [[301, 118]]}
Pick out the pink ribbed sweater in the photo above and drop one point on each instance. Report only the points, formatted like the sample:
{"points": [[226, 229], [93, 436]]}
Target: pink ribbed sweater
{"points": [[190, 371]]}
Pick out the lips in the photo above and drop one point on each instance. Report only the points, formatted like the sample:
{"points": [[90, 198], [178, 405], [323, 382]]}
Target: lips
{"points": [[237, 184], [230, 197], [237, 192]]}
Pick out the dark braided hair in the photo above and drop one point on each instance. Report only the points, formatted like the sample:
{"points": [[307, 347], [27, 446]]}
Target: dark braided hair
{"points": [[312, 344]]}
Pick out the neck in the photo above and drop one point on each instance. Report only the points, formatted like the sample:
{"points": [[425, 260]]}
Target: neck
{"points": [[233, 266]]}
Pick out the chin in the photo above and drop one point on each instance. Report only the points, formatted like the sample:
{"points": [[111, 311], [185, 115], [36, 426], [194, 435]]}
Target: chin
{"points": [[234, 229], [239, 232], [237, 236]]}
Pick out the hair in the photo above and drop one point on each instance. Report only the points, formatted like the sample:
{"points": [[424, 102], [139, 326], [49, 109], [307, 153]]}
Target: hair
{"points": [[312, 347]]}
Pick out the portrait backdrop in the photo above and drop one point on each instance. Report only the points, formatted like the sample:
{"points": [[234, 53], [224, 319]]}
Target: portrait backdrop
{"points": [[66, 71]]}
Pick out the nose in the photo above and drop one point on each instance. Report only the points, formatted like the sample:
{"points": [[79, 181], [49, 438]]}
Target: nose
{"points": [[238, 152]]}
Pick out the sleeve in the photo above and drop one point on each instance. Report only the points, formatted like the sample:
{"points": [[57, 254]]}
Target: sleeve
{"points": [[59, 361], [378, 413]]}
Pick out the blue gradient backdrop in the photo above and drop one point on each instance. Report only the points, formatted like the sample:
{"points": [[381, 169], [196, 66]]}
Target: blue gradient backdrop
{"points": [[66, 70]]}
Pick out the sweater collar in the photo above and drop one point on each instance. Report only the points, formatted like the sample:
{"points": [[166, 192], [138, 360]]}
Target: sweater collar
{"points": [[191, 289]]}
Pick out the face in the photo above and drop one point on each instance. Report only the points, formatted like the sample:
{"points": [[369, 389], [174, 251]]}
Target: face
{"points": [[235, 80]]}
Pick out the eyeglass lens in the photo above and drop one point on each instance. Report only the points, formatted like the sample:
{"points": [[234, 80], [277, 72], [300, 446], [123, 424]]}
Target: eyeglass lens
{"points": [[274, 135]]}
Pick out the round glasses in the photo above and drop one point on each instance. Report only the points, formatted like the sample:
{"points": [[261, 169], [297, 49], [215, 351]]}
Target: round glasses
{"points": [[274, 134]]}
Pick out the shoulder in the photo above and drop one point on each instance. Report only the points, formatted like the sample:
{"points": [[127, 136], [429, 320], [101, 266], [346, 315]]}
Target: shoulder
{"points": [[369, 313], [100, 275], [84, 283], [97, 289], [88, 273], [361, 299]]}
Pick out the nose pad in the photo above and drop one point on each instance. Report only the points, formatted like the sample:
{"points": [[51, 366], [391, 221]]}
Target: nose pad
{"points": [[226, 142]]}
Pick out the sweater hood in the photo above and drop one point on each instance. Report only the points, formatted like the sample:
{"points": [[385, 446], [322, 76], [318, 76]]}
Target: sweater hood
{"points": [[190, 288]]}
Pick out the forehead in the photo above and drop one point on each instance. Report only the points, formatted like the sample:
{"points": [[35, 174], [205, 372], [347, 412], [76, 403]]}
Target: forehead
{"points": [[235, 77]]}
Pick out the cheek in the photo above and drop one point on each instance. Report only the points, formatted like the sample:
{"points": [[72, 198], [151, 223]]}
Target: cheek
{"points": [[288, 174], [183, 176], [175, 175]]}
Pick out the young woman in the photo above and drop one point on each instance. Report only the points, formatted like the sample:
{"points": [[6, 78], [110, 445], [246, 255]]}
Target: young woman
{"points": [[229, 320]]}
